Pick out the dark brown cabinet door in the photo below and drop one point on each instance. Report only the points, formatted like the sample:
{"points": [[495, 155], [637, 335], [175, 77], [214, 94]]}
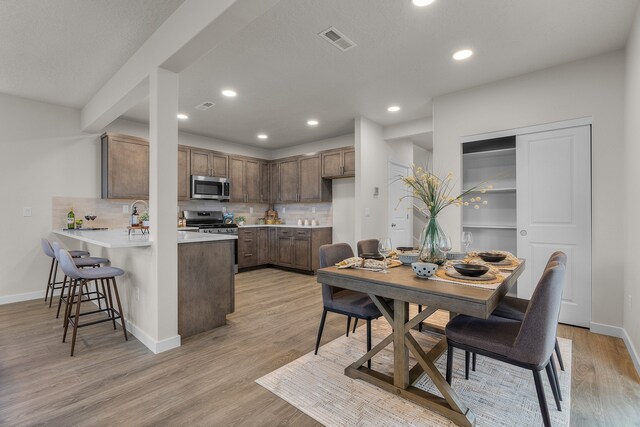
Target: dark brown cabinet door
{"points": [[218, 163], [125, 167], [285, 250], [273, 245], [349, 167], [274, 182], [247, 248], [183, 173], [265, 187], [331, 164], [237, 180], [252, 189], [200, 162], [288, 180], [302, 250], [310, 187], [263, 246]]}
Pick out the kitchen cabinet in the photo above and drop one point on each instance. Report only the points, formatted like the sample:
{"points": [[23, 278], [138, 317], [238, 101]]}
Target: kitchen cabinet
{"points": [[339, 163], [184, 176], [125, 167], [262, 246], [208, 163], [299, 248], [288, 180], [299, 180], [274, 182], [273, 245], [244, 175], [247, 247], [265, 182]]}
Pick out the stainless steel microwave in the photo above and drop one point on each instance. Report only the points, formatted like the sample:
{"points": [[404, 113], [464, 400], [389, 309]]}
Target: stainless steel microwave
{"points": [[210, 188]]}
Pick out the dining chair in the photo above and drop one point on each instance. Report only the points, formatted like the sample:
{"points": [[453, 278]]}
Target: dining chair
{"points": [[342, 301], [369, 246], [528, 344]]}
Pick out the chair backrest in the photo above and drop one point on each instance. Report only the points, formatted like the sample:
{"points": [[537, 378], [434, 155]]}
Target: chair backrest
{"points": [[537, 336], [331, 255], [67, 263], [369, 246], [57, 247], [46, 248]]}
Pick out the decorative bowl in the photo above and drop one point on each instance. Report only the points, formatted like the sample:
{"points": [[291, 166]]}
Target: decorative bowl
{"points": [[408, 257], [406, 248], [372, 256], [471, 270], [491, 257], [424, 269]]}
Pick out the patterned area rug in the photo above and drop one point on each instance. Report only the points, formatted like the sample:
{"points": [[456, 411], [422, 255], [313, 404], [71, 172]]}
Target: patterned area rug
{"points": [[497, 393]]}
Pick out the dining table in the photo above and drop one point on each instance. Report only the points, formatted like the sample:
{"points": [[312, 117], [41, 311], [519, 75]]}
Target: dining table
{"points": [[392, 293]]}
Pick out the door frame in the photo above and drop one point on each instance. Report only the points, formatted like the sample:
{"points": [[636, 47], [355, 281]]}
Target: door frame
{"points": [[409, 211], [562, 124]]}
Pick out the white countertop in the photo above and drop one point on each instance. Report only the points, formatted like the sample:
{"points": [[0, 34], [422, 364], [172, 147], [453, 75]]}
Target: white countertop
{"points": [[120, 238], [285, 226]]}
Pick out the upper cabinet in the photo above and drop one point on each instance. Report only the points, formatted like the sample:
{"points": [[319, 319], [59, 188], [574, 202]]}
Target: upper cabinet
{"points": [[299, 180], [245, 178], [125, 167], [339, 163], [184, 181], [209, 163]]}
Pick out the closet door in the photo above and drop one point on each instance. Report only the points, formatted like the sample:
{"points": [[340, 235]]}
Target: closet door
{"points": [[554, 213]]}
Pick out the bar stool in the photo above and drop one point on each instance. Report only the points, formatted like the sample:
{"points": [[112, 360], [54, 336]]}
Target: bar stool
{"points": [[79, 278], [53, 271], [80, 263]]}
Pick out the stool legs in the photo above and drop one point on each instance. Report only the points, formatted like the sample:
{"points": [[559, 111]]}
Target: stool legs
{"points": [[64, 285], [115, 290], [46, 295], [75, 319]]}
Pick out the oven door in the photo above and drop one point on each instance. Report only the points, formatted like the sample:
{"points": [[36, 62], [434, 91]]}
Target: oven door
{"points": [[209, 188]]}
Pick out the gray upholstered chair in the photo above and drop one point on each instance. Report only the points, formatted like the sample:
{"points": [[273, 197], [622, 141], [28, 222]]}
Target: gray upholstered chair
{"points": [[53, 270], [528, 344], [343, 301], [78, 279], [369, 246]]}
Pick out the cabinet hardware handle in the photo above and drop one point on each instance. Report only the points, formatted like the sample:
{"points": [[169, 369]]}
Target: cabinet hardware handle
{"points": [[247, 255]]}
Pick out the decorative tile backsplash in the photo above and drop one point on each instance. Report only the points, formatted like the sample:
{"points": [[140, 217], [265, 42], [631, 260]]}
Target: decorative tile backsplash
{"points": [[110, 214]]}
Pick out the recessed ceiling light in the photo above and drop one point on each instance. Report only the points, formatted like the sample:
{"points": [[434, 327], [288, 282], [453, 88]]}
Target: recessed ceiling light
{"points": [[263, 136], [462, 54], [422, 3], [229, 93], [182, 116], [393, 109], [312, 122]]}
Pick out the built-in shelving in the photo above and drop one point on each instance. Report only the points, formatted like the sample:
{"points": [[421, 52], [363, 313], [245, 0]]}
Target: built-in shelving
{"points": [[493, 190], [490, 226]]}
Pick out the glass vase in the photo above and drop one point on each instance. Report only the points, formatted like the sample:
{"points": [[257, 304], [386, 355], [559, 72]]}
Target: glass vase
{"points": [[430, 242]]}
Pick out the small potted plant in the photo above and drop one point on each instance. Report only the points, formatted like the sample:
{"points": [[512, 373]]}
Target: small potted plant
{"points": [[240, 220], [144, 218]]}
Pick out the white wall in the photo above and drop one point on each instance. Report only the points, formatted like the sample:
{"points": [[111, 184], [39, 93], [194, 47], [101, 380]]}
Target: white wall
{"points": [[632, 178], [313, 147], [591, 87], [344, 192]]}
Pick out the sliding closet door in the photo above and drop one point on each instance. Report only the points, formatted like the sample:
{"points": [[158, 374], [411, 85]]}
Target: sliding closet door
{"points": [[553, 172]]}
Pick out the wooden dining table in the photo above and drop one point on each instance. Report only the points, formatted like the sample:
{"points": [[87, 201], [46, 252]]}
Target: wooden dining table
{"points": [[392, 293]]}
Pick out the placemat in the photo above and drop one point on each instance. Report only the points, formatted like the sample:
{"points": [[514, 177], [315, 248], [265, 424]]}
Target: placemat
{"points": [[441, 276]]}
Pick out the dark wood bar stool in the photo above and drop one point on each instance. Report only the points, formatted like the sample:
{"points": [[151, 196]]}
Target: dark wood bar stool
{"points": [[79, 278], [84, 262], [53, 271]]}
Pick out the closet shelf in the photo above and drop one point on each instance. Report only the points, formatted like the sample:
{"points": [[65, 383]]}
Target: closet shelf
{"points": [[496, 190], [490, 226]]}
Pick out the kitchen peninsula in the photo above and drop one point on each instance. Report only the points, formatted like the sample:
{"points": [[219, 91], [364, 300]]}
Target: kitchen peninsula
{"points": [[205, 280]]}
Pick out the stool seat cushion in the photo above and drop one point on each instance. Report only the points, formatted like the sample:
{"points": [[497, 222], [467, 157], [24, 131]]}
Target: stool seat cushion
{"points": [[511, 308], [100, 273], [89, 261], [495, 334], [77, 254]]}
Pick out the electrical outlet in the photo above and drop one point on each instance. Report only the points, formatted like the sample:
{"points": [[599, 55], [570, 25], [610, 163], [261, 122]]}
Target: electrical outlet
{"points": [[313, 209], [224, 209], [125, 209], [250, 210], [284, 210], [26, 211], [630, 301], [137, 294], [367, 212]]}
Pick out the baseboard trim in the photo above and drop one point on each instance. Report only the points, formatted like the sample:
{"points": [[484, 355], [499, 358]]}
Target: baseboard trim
{"points": [[618, 332], [10, 299]]}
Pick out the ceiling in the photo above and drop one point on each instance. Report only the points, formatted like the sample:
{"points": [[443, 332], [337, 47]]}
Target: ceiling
{"points": [[285, 73], [63, 51]]}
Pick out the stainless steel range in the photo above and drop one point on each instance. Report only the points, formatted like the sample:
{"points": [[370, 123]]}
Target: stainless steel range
{"points": [[212, 222]]}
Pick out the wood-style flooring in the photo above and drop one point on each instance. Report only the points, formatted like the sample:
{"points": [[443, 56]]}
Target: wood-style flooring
{"points": [[210, 379]]}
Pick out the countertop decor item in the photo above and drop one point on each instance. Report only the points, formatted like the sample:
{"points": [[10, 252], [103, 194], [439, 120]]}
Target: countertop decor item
{"points": [[240, 220], [424, 269], [431, 195], [408, 257], [144, 218]]}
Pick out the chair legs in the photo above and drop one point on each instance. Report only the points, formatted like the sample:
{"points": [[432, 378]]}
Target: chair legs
{"points": [[49, 286], [368, 341], [555, 376], [537, 378], [355, 325], [324, 317], [449, 363], [554, 386], [560, 362], [348, 324], [419, 311], [473, 366], [466, 364]]}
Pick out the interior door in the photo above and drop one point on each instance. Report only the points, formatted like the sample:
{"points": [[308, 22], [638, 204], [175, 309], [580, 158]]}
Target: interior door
{"points": [[400, 212], [553, 173]]}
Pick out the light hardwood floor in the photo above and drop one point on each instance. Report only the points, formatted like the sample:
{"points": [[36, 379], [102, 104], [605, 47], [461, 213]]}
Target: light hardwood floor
{"points": [[210, 379]]}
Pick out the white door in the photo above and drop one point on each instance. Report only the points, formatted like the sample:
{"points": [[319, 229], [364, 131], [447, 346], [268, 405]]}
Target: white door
{"points": [[553, 172], [400, 209]]}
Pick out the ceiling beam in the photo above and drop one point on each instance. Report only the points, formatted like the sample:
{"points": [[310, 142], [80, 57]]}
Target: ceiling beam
{"points": [[195, 28]]}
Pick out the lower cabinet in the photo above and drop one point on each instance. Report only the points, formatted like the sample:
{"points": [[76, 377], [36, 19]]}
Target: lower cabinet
{"points": [[290, 247]]}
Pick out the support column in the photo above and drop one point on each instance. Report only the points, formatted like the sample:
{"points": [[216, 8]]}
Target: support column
{"points": [[163, 196]]}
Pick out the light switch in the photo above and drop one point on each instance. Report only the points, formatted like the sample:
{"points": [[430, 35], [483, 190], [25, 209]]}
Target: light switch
{"points": [[313, 209], [367, 212], [26, 211], [125, 209], [284, 210], [250, 210]]}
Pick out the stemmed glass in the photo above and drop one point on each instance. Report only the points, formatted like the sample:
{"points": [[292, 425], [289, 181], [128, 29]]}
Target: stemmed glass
{"points": [[444, 244], [385, 248], [467, 240]]}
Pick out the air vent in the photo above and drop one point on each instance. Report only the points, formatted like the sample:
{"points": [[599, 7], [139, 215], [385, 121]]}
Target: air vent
{"points": [[205, 105], [337, 39]]}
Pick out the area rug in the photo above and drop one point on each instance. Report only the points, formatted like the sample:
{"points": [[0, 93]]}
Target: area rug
{"points": [[497, 393]]}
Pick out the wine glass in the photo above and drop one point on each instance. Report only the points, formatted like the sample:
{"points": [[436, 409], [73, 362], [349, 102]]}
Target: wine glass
{"points": [[467, 240], [385, 248], [444, 244]]}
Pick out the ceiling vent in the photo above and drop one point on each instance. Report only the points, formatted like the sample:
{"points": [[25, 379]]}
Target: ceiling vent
{"points": [[205, 105], [337, 39]]}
